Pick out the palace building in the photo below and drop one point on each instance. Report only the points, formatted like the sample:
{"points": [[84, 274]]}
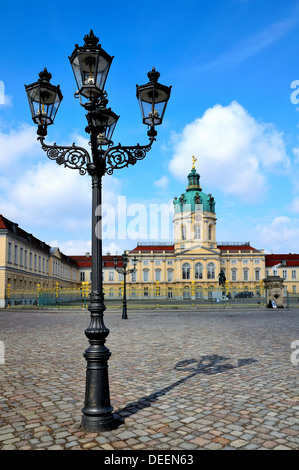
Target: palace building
{"points": [[26, 263], [192, 267]]}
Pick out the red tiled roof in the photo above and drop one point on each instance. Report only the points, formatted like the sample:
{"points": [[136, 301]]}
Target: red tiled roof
{"points": [[291, 259], [84, 261], [154, 248], [234, 248], [6, 224]]}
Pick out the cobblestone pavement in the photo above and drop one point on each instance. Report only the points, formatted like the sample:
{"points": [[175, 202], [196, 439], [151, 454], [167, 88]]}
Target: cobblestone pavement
{"points": [[181, 380]]}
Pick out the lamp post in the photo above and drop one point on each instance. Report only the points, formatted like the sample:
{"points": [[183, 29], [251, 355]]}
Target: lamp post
{"points": [[124, 271], [91, 64]]}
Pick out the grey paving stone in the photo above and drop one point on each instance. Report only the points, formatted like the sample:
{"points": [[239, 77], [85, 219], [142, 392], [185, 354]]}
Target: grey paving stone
{"points": [[164, 380]]}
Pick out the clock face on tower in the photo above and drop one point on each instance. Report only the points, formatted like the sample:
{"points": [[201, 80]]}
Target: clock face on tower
{"points": [[198, 218]]}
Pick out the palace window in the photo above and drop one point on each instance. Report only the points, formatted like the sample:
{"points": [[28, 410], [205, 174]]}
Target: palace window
{"points": [[197, 232], [257, 274], [284, 274], [9, 253], [210, 231], [111, 275], [169, 275], [134, 276], [234, 274], [294, 274], [145, 275], [82, 276], [186, 271], [21, 256], [186, 293], [183, 232], [198, 293], [133, 292], [245, 274], [16, 255], [158, 275], [198, 271], [211, 271]]}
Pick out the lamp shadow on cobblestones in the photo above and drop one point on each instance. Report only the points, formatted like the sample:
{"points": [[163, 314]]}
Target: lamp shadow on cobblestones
{"points": [[206, 365]]}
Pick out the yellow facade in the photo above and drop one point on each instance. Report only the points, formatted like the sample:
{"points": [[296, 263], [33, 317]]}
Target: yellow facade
{"points": [[27, 264]]}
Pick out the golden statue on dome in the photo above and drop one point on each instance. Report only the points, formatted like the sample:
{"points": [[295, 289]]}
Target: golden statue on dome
{"points": [[193, 162]]}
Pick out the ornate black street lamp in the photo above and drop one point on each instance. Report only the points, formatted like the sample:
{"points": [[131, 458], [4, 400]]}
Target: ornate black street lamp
{"points": [[91, 65], [124, 270]]}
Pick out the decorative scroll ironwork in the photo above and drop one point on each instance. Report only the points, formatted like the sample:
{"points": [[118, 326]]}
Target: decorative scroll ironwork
{"points": [[78, 158], [72, 157], [120, 157]]}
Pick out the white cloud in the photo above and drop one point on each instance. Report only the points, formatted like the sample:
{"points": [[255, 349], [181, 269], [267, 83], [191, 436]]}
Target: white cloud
{"points": [[72, 247], [235, 152], [252, 45], [38, 194], [162, 183], [280, 236], [18, 148]]}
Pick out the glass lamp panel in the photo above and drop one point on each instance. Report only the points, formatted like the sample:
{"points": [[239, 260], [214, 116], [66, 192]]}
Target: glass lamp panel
{"points": [[44, 100], [90, 69], [153, 99], [105, 121]]}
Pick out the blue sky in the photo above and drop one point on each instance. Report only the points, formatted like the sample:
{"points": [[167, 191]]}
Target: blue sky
{"points": [[231, 65]]}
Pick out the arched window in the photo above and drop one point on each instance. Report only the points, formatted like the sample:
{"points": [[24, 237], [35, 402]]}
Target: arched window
{"points": [[198, 271], [197, 232], [145, 275], [245, 274], [211, 271], [183, 228], [186, 271], [198, 292], [186, 293], [157, 274]]}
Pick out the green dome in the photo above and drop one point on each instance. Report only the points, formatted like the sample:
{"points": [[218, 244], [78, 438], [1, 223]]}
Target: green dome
{"points": [[194, 199]]}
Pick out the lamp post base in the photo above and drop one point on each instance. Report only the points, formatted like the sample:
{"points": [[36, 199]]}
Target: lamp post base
{"points": [[100, 424], [124, 314]]}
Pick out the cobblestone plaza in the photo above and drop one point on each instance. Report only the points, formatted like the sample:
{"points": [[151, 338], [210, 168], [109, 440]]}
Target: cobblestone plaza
{"points": [[180, 380]]}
